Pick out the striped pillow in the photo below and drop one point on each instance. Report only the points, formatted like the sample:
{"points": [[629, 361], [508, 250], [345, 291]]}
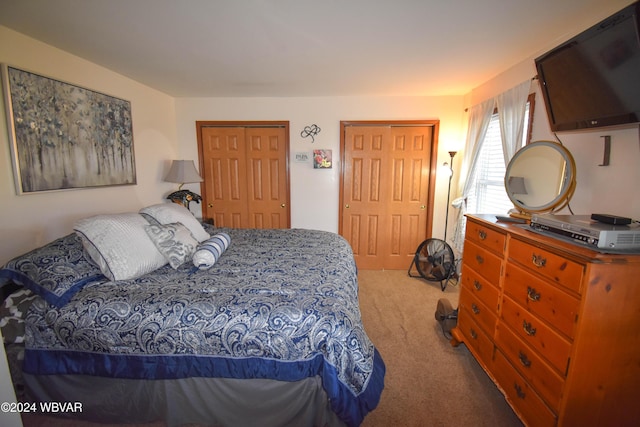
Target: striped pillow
{"points": [[209, 251]]}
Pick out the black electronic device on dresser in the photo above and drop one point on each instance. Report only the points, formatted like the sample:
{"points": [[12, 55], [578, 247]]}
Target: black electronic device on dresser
{"points": [[591, 80]]}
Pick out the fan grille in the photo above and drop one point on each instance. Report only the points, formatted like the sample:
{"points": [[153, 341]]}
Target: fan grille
{"points": [[434, 261]]}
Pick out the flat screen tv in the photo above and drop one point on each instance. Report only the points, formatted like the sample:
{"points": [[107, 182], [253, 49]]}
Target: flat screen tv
{"points": [[593, 80]]}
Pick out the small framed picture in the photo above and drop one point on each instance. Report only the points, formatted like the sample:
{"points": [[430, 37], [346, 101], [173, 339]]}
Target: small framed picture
{"points": [[302, 157], [322, 159]]}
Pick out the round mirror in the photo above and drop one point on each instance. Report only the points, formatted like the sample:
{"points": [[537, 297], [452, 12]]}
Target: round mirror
{"points": [[541, 177]]}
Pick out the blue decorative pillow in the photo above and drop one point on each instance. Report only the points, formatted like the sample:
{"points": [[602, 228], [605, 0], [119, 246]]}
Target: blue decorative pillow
{"points": [[55, 271], [174, 241], [210, 250]]}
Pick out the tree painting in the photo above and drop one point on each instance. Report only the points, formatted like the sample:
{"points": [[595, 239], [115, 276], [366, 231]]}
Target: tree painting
{"points": [[67, 136]]}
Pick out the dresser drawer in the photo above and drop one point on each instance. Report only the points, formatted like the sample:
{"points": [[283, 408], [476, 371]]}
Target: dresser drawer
{"points": [[482, 261], [556, 268], [551, 345], [485, 237], [538, 373], [482, 289], [523, 398], [483, 316], [475, 339], [542, 298]]}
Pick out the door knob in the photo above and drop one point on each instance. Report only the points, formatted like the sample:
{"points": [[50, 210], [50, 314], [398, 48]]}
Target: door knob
{"points": [[423, 207], [210, 205], [346, 206], [283, 205]]}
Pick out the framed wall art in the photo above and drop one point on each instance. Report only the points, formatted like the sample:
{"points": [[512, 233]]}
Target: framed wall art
{"points": [[64, 136], [322, 159]]}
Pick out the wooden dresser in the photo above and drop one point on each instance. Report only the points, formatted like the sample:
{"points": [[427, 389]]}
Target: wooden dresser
{"points": [[554, 324]]}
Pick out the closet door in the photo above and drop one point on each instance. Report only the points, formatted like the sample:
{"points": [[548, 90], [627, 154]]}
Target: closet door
{"points": [[366, 193], [409, 207], [245, 175], [223, 165], [267, 184], [387, 191]]}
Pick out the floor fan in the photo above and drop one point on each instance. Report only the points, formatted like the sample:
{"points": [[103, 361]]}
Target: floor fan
{"points": [[434, 258], [434, 261]]}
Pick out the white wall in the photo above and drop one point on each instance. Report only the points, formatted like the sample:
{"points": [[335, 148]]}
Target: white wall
{"points": [[315, 192], [31, 220]]}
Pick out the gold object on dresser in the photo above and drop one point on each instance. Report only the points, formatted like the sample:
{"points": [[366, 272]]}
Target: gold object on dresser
{"points": [[555, 325]]}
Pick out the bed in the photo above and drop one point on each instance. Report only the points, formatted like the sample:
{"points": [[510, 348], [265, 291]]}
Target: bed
{"points": [[225, 327]]}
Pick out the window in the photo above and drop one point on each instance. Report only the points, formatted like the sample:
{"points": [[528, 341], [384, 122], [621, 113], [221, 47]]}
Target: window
{"points": [[487, 193]]}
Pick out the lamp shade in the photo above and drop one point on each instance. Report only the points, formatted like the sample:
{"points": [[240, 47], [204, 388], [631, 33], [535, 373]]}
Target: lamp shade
{"points": [[516, 185], [183, 171]]}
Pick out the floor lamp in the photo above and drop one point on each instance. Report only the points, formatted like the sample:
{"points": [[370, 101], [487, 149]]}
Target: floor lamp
{"points": [[450, 171]]}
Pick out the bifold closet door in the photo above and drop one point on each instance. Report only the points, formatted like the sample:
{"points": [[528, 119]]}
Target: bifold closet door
{"points": [[246, 176], [387, 194]]}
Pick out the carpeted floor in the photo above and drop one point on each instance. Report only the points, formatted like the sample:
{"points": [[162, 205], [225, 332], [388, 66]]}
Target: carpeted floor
{"points": [[428, 382]]}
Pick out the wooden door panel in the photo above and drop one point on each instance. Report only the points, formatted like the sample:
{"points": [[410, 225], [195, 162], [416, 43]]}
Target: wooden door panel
{"points": [[373, 232], [267, 190], [364, 184], [223, 192], [223, 165], [407, 210], [416, 180], [385, 191]]}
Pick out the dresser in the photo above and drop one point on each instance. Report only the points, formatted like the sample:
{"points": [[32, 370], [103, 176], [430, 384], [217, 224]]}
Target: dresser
{"points": [[554, 324]]}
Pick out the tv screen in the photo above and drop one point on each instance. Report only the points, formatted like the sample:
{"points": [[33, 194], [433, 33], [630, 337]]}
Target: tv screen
{"points": [[593, 80]]}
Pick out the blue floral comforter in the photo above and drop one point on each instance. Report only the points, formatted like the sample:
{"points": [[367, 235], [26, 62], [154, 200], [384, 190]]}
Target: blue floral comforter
{"points": [[278, 304]]}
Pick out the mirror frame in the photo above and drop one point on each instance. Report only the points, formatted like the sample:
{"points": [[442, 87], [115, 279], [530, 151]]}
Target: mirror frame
{"points": [[568, 181]]}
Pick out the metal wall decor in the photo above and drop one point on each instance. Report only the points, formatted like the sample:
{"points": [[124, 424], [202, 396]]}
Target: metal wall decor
{"points": [[64, 136], [310, 131]]}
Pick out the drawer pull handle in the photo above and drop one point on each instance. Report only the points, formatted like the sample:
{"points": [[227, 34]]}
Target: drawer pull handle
{"points": [[475, 309], [482, 234], [519, 391], [524, 359], [538, 260], [477, 285], [479, 259], [532, 294], [473, 334], [530, 330]]}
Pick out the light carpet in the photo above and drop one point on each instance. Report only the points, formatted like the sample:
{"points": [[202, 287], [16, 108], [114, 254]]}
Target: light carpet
{"points": [[428, 382]]}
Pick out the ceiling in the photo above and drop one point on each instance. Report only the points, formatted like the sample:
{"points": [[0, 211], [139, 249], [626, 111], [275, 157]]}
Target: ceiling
{"points": [[278, 48]]}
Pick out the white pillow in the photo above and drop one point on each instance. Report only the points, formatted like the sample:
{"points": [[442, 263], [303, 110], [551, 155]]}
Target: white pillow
{"points": [[119, 244], [168, 213]]}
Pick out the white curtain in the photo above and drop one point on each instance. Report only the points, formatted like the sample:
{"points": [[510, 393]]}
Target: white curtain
{"points": [[511, 106], [479, 118]]}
